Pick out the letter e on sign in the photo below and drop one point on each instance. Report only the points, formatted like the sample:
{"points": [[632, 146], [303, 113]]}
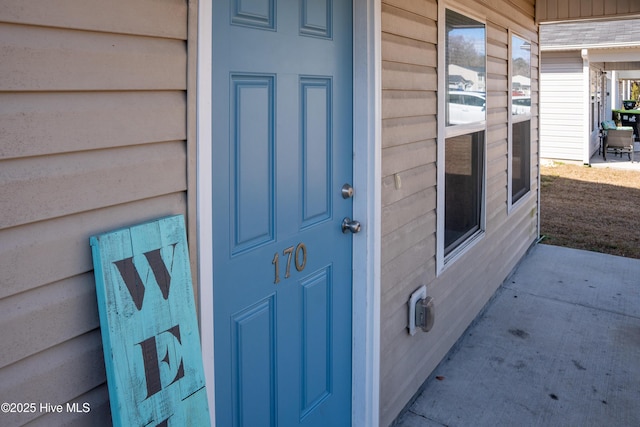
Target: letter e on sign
{"points": [[149, 326]]}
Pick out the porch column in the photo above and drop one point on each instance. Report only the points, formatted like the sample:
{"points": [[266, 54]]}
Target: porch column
{"points": [[586, 107], [614, 91]]}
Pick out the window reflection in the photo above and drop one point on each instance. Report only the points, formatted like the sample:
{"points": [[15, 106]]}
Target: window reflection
{"points": [[521, 76], [520, 120], [465, 70]]}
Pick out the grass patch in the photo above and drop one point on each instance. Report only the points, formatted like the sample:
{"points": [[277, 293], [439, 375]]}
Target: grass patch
{"points": [[595, 209]]}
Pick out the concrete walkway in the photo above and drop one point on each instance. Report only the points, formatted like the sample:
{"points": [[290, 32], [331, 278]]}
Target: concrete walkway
{"points": [[559, 345]]}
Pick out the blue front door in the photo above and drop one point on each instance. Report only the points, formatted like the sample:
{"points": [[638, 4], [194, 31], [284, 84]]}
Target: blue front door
{"points": [[282, 151]]}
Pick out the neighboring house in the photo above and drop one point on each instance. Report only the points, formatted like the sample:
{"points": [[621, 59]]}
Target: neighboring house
{"points": [[466, 79], [248, 118], [521, 84], [582, 81]]}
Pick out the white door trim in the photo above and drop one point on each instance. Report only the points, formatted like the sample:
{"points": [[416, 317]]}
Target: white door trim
{"points": [[366, 207], [204, 190]]}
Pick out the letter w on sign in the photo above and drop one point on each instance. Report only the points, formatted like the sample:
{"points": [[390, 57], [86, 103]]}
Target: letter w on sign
{"points": [[134, 282], [149, 325]]}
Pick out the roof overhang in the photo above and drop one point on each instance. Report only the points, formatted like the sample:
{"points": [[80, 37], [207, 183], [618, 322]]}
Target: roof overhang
{"points": [[624, 60], [617, 55], [548, 11], [628, 74], [619, 49]]}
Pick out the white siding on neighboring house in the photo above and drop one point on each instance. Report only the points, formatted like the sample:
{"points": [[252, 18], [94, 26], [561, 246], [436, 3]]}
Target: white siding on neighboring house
{"points": [[562, 102], [94, 135]]}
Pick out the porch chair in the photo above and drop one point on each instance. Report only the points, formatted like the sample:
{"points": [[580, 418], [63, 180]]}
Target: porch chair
{"points": [[617, 139]]}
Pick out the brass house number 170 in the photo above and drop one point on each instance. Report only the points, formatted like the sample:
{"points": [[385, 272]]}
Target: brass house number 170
{"points": [[299, 255]]}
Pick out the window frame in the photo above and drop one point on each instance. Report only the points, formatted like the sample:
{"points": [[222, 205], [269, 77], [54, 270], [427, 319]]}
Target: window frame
{"points": [[514, 119], [445, 131]]}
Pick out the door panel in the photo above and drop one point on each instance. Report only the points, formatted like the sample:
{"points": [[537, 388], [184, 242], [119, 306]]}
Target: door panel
{"points": [[252, 161], [253, 364], [316, 333], [315, 113], [282, 149]]}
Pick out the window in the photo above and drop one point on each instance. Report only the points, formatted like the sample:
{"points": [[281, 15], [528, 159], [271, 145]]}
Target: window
{"points": [[520, 160], [465, 69], [463, 188], [520, 119], [461, 140]]}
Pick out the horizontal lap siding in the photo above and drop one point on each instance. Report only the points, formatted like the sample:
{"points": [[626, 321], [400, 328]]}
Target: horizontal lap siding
{"points": [[54, 59], [93, 137], [161, 19], [409, 159], [409, 107], [562, 134], [102, 115]]}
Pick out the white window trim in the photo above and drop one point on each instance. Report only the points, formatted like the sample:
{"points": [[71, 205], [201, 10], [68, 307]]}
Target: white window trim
{"points": [[515, 119], [444, 132], [367, 178]]}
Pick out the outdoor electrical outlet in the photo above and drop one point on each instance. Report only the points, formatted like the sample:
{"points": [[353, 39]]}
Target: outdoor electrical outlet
{"points": [[421, 313], [425, 314]]}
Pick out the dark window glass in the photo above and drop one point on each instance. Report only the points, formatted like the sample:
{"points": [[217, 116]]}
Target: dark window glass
{"points": [[463, 187], [520, 160]]}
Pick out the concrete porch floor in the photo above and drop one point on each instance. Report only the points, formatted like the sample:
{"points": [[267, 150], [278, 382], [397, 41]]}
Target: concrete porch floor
{"points": [[559, 345], [617, 161]]}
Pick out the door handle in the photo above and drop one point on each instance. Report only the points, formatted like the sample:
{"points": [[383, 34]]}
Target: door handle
{"points": [[350, 225]]}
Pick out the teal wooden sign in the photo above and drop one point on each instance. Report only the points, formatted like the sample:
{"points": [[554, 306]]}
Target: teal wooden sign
{"points": [[149, 326]]}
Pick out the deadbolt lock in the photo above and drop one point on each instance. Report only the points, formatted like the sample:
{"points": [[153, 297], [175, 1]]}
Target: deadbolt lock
{"points": [[347, 191]]}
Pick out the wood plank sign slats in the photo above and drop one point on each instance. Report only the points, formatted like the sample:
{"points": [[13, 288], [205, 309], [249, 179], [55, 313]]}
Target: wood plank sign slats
{"points": [[149, 325]]}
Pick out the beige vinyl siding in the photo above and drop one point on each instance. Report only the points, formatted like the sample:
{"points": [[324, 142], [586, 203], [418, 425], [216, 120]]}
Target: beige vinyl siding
{"points": [[562, 116], [409, 36], [95, 134], [559, 10], [409, 155]]}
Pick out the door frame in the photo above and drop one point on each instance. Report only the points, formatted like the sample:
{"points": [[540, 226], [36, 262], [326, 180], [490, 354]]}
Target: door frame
{"points": [[365, 387]]}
